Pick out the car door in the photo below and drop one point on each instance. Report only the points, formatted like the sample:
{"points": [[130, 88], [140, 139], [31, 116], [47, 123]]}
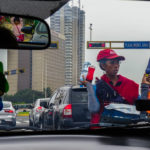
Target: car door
{"points": [[34, 110], [59, 107], [31, 114], [48, 113], [63, 101]]}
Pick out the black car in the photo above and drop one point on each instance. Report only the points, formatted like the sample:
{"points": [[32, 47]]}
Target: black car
{"points": [[68, 108]]}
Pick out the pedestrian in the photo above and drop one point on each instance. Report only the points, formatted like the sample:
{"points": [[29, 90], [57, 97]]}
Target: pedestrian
{"points": [[111, 87], [17, 24]]}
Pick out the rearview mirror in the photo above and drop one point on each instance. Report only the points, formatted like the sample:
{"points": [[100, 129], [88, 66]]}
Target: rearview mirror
{"points": [[23, 32]]}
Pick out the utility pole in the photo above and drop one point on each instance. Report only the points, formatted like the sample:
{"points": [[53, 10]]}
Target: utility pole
{"points": [[45, 77], [90, 31]]}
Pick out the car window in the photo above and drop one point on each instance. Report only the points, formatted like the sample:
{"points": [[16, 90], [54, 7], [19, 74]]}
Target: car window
{"points": [[43, 103], [79, 96], [61, 97], [41, 28], [64, 96], [7, 105], [53, 98], [58, 97]]}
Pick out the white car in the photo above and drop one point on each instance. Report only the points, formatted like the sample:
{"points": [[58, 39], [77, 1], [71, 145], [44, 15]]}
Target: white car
{"points": [[8, 114], [35, 113]]}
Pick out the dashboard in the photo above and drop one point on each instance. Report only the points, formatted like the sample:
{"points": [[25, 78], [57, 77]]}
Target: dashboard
{"points": [[73, 142]]}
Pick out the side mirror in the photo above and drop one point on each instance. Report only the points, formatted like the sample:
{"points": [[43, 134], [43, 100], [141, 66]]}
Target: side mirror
{"points": [[31, 106], [51, 105], [142, 105], [45, 106]]}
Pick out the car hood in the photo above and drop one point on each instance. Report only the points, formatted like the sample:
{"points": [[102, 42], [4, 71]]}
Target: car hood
{"points": [[36, 8]]}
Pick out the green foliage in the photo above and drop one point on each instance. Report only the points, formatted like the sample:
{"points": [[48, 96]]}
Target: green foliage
{"points": [[27, 96]]}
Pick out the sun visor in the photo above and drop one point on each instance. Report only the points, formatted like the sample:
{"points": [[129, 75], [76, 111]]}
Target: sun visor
{"points": [[36, 8]]}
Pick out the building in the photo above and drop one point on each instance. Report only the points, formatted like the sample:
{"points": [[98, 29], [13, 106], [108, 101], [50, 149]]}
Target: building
{"points": [[48, 65], [74, 31], [19, 59], [43, 68]]}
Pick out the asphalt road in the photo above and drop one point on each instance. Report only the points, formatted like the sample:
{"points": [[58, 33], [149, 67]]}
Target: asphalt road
{"points": [[22, 121]]}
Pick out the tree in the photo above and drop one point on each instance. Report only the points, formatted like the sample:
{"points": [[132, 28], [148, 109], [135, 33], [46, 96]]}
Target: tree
{"points": [[48, 92], [27, 96]]}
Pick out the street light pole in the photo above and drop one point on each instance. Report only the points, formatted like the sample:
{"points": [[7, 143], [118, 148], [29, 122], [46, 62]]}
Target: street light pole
{"points": [[46, 79], [90, 31]]}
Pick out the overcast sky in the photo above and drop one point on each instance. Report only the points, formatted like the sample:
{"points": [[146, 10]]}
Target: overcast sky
{"points": [[119, 20]]}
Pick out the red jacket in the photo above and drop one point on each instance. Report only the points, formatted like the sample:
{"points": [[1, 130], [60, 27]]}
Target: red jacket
{"points": [[125, 87]]}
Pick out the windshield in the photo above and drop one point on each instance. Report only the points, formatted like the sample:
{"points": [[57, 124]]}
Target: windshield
{"points": [[79, 96], [6, 105], [92, 74]]}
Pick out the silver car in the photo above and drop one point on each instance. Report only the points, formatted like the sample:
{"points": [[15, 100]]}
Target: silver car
{"points": [[8, 114], [40, 34], [35, 113]]}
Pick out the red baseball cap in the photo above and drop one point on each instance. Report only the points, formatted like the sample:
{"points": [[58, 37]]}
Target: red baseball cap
{"points": [[108, 54]]}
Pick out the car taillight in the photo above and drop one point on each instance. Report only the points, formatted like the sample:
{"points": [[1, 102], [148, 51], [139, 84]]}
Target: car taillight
{"points": [[39, 108], [67, 112], [50, 113], [9, 111]]}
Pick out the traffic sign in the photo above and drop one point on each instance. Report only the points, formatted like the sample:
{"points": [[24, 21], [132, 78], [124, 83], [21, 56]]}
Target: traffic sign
{"points": [[118, 44], [95, 44], [12, 72], [137, 45], [15, 71]]}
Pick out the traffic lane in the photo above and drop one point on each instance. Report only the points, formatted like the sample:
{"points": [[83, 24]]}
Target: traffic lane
{"points": [[22, 121]]}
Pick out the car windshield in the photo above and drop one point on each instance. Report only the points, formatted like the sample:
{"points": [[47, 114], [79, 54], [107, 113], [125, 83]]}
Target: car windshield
{"points": [[79, 96], [43, 103], [91, 76], [6, 105]]}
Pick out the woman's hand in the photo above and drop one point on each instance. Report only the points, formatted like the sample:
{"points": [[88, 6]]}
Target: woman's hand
{"points": [[84, 82], [146, 79]]}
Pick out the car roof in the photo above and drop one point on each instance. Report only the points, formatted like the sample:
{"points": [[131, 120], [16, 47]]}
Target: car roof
{"points": [[78, 87], [36, 8], [43, 99], [7, 102], [72, 87]]}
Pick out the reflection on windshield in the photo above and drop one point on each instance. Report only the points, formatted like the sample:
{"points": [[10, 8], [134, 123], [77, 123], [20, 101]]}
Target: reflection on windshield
{"points": [[90, 78]]}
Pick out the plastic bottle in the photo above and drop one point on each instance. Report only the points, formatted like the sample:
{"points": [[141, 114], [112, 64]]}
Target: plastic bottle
{"points": [[87, 72]]}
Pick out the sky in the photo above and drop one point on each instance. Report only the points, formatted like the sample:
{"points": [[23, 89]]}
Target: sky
{"points": [[119, 20]]}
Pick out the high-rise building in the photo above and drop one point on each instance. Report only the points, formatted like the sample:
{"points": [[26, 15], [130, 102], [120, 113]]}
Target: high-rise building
{"points": [[48, 65], [81, 49], [74, 31], [19, 59]]}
